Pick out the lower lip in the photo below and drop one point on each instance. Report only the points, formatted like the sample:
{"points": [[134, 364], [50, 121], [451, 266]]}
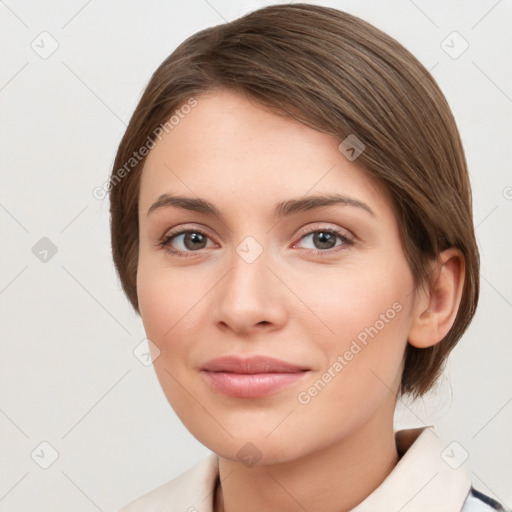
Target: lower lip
{"points": [[243, 385]]}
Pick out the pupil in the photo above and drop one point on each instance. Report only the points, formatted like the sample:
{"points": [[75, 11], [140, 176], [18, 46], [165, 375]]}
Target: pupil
{"points": [[193, 238], [321, 238]]}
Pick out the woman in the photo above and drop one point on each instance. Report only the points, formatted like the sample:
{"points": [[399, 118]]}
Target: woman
{"points": [[291, 217]]}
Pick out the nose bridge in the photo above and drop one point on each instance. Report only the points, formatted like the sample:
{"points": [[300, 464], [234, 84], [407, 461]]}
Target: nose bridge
{"points": [[249, 293], [248, 279]]}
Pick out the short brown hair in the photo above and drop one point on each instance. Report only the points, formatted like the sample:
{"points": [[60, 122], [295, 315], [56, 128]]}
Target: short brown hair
{"points": [[340, 75]]}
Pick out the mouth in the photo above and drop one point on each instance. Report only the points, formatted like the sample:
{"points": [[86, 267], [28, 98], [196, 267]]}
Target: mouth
{"points": [[251, 385], [251, 365], [251, 377]]}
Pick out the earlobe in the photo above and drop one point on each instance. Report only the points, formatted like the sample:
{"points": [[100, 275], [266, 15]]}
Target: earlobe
{"points": [[436, 309]]}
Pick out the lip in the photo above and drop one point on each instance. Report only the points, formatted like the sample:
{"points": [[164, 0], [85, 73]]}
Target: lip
{"points": [[251, 377], [252, 364]]}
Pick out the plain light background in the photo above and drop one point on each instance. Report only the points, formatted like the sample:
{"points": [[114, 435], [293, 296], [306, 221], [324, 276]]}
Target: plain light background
{"points": [[68, 374]]}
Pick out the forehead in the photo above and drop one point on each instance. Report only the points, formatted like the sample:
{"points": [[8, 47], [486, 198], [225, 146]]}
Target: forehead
{"points": [[229, 150]]}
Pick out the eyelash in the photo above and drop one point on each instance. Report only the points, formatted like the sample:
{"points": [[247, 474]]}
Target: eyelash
{"points": [[347, 242]]}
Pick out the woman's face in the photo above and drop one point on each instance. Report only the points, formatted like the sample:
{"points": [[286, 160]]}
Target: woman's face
{"points": [[326, 288]]}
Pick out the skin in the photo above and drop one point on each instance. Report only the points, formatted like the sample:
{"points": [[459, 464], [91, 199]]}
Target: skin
{"points": [[289, 303]]}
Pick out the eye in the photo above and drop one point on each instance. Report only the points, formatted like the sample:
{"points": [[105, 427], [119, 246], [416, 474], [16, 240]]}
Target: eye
{"points": [[186, 241], [326, 240]]}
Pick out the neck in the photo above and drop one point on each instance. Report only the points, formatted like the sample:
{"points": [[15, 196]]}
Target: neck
{"points": [[336, 478]]}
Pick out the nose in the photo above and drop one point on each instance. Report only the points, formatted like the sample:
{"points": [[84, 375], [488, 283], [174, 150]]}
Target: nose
{"points": [[250, 298]]}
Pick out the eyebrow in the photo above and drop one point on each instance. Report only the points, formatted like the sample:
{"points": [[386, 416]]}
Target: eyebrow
{"points": [[282, 209]]}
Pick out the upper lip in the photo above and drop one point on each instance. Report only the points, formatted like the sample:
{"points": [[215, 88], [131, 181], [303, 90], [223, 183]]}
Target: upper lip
{"points": [[253, 364]]}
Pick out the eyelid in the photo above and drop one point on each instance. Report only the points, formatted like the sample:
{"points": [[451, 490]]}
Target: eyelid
{"points": [[179, 230], [347, 238], [323, 226]]}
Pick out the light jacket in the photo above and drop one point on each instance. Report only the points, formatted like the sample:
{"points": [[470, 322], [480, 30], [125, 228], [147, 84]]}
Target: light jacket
{"points": [[429, 477]]}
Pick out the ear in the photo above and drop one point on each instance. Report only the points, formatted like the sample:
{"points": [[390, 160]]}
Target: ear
{"points": [[435, 309]]}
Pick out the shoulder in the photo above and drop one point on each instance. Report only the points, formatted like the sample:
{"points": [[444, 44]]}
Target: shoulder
{"points": [[479, 502], [191, 490]]}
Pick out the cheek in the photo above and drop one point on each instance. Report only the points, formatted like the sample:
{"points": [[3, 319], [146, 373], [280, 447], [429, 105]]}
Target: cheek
{"points": [[368, 315], [172, 307], [167, 310], [160, 305], [351, 299], [153, 302], [362, 360]]}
